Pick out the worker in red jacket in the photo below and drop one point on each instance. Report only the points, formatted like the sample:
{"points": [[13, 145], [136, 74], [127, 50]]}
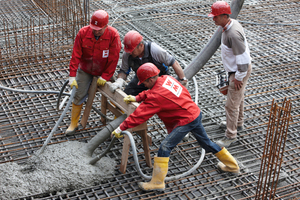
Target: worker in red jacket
{"points": [[95, 53], [173, 104]]}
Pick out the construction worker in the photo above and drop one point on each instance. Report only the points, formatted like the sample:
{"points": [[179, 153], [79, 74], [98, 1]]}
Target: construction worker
{"points": [[236, 60], [95, 53], [138, 52], [173, 104]]}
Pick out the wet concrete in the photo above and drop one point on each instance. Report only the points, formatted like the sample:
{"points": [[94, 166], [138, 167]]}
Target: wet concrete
{"points": [[61, 168]]}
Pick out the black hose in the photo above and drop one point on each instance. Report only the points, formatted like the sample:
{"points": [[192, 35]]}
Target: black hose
{"points": [[60, 93]]}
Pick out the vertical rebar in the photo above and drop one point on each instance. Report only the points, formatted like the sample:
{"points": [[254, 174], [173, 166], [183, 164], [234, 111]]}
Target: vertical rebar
{"points": [[273, 150]]}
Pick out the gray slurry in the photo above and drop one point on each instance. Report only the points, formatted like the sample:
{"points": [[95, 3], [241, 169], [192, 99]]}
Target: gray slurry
{"points": [[61, 167]]}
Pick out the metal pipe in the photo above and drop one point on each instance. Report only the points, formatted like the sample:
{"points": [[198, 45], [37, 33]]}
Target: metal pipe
{"points": [[213, 44]]}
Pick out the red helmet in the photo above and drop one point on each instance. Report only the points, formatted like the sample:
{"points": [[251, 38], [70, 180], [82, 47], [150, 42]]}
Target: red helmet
{"points": [[99, 19], [146, 71], [219, 8], [131, 40]]}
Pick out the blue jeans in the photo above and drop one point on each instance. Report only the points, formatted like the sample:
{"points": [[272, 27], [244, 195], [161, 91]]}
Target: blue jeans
{"points": [[197, 129]]}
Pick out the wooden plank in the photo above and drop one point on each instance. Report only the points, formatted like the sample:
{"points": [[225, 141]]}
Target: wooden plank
{"points": [[125, 152], [103, 108], [88, 106], [117, 99]]}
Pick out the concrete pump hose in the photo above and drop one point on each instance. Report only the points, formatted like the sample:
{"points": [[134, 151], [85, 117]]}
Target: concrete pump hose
{"points": [[171, 178], [98, 157], [59, 120]]}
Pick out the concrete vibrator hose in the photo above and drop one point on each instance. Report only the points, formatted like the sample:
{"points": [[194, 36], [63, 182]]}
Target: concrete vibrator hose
{"points": [[58, 122], [59, 106], [171, 178], [136, 160]]}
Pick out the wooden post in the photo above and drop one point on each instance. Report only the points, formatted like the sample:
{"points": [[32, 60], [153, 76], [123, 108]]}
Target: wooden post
{"points": [[89, 103], [116, 98]]}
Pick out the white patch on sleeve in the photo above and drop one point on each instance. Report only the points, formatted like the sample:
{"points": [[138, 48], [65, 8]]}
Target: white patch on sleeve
{"points": [[105, 53], [173, 86]]}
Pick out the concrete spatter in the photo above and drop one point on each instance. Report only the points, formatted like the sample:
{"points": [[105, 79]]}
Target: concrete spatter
{"points": [[61, 167]]}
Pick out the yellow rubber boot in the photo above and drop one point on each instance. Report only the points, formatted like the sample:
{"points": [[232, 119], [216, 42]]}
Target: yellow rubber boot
{"points": [[160, 170], [74, 119], [228, 162]]}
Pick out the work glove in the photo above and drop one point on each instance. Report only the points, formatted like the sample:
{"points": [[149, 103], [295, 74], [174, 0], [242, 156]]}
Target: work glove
{"points": [[117, 133], [73, 82], [117, 84], [129, 98], [184, 82], [101, 81]]}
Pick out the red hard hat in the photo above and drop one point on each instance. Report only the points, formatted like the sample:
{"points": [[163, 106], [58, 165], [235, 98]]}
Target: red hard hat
{"points": [[99, 19], [146, 71], [219, 8], [131, 40]]}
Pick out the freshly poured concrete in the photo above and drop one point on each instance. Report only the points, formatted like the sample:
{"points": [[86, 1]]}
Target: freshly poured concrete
{"points": [[62, 167]]}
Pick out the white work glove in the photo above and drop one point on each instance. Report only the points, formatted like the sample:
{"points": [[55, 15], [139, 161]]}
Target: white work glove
{"points": [[117, 84], [117, 133], [101, 81], [73, 82], [184, 82], [129, 98]]}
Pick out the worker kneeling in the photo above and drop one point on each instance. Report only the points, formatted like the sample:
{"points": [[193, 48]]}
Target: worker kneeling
{"points": [[173, 104]]}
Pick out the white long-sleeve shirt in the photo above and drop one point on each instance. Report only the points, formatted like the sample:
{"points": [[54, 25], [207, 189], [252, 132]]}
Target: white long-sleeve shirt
{"points": [[235, 52]]}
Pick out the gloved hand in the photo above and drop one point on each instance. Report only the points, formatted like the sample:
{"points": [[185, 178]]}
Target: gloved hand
{"points": [[101, 81], [73, 82], [117, 133], [129, 98], [117, 84], [184, 83]]}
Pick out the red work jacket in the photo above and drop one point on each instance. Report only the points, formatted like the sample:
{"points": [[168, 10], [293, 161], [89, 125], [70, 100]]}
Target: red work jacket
{"points": [[169, 100], [96, 57]]}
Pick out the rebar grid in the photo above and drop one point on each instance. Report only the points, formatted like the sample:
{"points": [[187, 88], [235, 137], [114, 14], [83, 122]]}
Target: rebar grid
{"points": [[41, 63]]}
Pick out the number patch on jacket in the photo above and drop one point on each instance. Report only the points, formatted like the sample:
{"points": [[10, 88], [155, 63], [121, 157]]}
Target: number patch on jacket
{"points": [[105, 53]]}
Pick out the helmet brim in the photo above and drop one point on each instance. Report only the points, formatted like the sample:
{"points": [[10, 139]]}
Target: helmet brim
{"points": [[211, 15], [128, 50], [97, 28]]}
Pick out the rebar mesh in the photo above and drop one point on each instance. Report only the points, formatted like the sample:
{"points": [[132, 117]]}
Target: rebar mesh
{"points": [[36, 45]]}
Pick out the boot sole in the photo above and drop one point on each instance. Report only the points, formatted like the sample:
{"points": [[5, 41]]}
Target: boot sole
{"points": [[71, 132], [231, 173], [150, 190]]}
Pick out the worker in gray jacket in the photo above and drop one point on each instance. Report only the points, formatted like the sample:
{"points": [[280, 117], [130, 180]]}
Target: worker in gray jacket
{"points": [[138, 52], [236, 60]]}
